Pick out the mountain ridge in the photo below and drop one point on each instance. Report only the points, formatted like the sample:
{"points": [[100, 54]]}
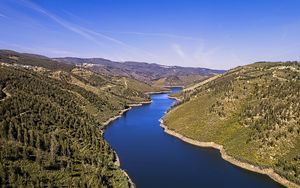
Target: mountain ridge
{"points": [[147, 72]]}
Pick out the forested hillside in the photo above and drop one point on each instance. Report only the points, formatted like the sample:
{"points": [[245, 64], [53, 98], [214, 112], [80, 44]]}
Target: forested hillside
{"points": [[51, 121], [253, 111]]}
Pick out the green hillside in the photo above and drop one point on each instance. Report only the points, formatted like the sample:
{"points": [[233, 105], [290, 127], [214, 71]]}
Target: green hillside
{"points": [[254, 111], [179, 80], [51, 121]]}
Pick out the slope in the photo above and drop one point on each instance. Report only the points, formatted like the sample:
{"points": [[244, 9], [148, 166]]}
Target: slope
{"points": [[253, 111], [51, 120]]}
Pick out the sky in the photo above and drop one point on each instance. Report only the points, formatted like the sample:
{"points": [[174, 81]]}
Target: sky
{"points": [[219, 34]]}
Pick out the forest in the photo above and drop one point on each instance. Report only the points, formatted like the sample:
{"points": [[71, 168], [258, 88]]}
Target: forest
{"points": [[52, 119]]}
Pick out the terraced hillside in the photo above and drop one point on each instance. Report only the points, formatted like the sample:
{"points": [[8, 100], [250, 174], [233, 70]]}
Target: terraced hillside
{"points": [[253, 111], [51, 116]]}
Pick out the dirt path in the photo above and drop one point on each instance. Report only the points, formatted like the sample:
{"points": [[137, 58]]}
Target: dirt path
{"points": [[276, 76], [125, 83], [203, 82]]}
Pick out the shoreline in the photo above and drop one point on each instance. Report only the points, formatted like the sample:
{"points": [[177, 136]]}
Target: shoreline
{"points": [[140, 103], [104, 124], [266, 171], [178, 86], [118, 164], [117, 161], [158, 92], [175, 98]]}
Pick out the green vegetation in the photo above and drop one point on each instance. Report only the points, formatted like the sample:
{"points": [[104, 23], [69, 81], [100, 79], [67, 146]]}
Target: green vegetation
{"points": [[51, 119], [179, 80], [254, 111]]}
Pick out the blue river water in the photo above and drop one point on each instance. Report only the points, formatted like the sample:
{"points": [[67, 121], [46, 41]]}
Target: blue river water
{"points": [[154, 159]]}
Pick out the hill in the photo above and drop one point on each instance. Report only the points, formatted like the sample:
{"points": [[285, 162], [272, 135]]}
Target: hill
{"points": [[52, 116], [179, 80], [13, 57], [146, 72], [253, 111]]}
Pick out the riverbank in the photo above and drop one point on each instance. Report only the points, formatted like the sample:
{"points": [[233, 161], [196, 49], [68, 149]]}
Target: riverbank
{"points": [[178, 86], [104, 124], [117, 161], [157, 92], [267, 171], [118, 164], [132, 105], [175, 98]]}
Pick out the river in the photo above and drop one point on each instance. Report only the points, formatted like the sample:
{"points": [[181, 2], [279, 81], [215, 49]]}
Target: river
{"points": [[154, 159]]}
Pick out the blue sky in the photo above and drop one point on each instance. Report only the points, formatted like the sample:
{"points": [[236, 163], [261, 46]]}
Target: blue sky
{"points": [[200, 33]]}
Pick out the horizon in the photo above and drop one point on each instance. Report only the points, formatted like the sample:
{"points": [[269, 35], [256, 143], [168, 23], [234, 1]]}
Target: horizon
{"points": [[215, 35], [128, 61]]}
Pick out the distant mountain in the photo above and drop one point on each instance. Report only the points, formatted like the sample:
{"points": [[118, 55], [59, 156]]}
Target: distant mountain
{"points": [[9, 56], [147, 72], [151, 73]]}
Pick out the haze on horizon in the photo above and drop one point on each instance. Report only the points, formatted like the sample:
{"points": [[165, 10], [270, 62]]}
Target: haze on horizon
{"points": [[217, 34]]}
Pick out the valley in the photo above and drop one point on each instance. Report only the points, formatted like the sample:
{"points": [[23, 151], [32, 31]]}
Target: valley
{"points": [[53, 116]]}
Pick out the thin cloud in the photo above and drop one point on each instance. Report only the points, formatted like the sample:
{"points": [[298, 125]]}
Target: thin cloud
{"points": [[168, 35], [61, 22], [203, 55], [108, 37], [118, 42], [178, 50], [2, 15], [53, 52], [73, 16], [84, 32]]}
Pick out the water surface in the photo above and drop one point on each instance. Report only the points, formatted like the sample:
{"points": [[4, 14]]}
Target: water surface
{"points": [[154, 159]]}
